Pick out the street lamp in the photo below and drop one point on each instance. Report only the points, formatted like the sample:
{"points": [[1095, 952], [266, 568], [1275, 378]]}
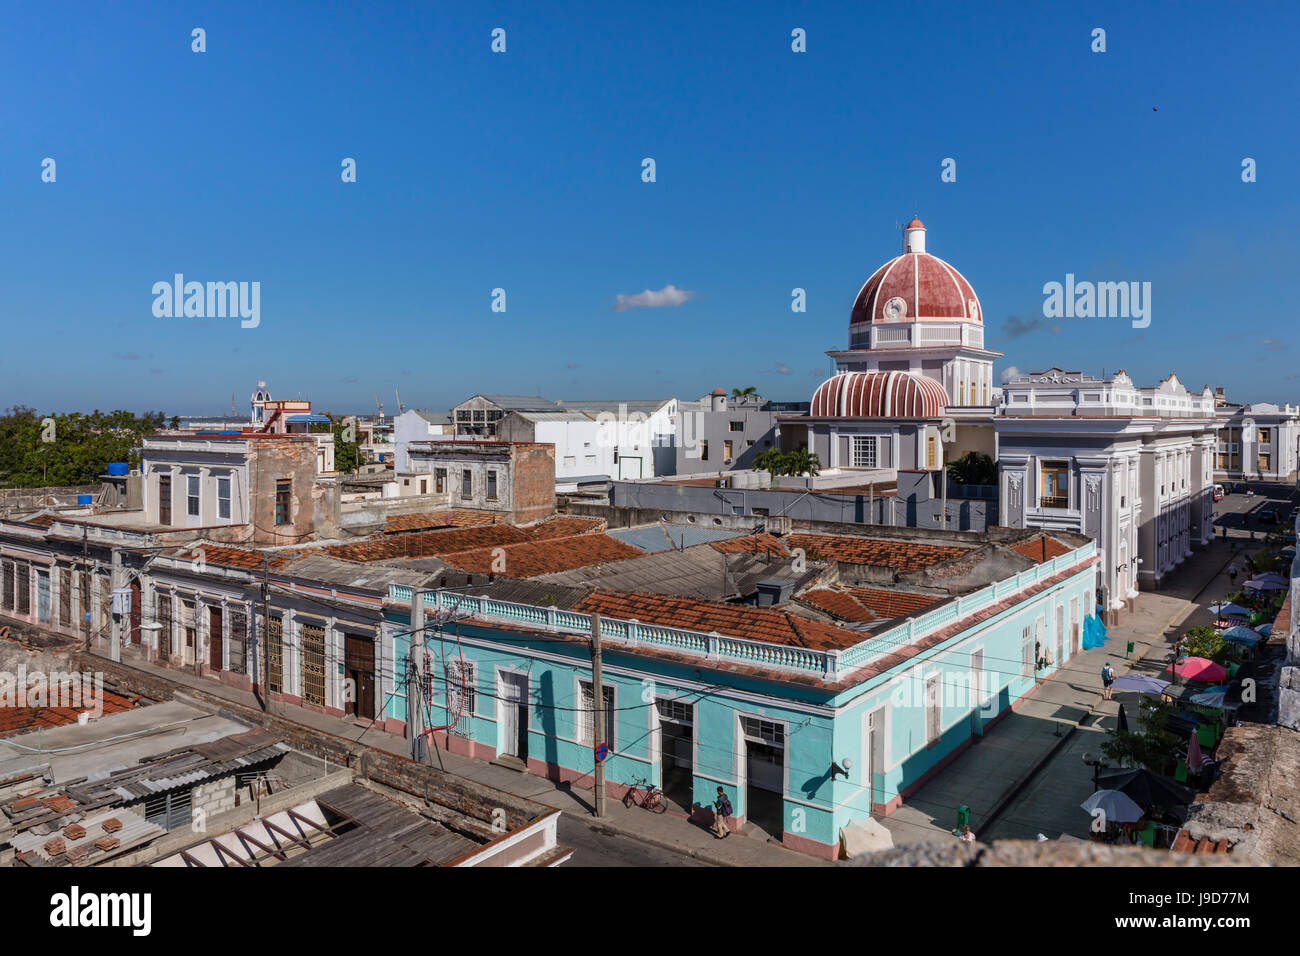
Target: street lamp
{"points": [[1097, 765]]}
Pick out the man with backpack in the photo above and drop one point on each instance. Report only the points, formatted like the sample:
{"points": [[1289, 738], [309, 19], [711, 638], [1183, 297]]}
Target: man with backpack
{"points": [[721, 811], [1107, 678]]}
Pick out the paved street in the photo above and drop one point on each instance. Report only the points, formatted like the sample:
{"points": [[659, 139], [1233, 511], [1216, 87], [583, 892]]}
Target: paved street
{"points": [[1049, 801], [596, 848]]}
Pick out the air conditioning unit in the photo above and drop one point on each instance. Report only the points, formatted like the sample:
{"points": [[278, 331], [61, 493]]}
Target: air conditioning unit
{"points": [[722, 483]]}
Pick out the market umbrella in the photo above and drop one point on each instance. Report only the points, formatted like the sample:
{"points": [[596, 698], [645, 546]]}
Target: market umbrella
{"points": [[1241, 634], [1115, 807], [1262, 584], [1148, 789], [1196, 668], [1273, 576], [1210, 698], [1233, 610], [1143, 683], [1265, 630]]}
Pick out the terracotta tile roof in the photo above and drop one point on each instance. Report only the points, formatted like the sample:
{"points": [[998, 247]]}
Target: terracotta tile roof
{"points": [[425, 544], [1040, 548], [868, 604], [761, 543], [543, 557], [245, 558], [41, 521], [1282, 623], [902, 556], [731, 620], [459, 518], [563, 526], [17, 720], [1184, 843], [838, 603]]}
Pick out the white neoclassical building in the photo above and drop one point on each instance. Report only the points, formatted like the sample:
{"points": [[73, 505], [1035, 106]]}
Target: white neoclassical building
{"points": [[1131, 467], [1259, 441]]}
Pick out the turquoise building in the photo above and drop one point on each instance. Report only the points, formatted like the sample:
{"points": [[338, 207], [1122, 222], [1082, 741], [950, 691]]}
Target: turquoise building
{"points": [[807, 729]]}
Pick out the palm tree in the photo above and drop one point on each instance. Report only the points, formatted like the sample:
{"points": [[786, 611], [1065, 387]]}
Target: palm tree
{"points": [[744, 392], [802, 462], [770, 460]]}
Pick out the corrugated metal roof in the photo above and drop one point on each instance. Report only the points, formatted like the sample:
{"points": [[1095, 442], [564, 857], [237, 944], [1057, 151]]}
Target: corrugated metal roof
{"points": [[574, 416], [696, 572], [660, 537], [135, 831]]}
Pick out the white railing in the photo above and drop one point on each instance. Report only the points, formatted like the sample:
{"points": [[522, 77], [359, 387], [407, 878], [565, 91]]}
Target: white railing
{"points": [[830, 665]]}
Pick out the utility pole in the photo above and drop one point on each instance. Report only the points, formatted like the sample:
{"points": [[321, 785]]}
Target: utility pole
{"points": [[415, 678], [266, 633], [598, 717], [115, 629], [84, 604], [943, 481]]}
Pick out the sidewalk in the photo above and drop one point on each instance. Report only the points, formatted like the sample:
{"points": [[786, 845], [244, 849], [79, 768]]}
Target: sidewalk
{"points": [[667, 831], [1032, 758]]}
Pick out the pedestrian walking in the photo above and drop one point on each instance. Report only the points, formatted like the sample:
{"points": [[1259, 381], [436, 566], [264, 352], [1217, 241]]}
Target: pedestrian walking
{"points": [[1107, 678], [1232, 573], [966, 836], [721, 811]]}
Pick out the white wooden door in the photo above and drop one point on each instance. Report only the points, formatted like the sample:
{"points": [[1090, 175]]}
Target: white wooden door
{"points": [[514, 719]]}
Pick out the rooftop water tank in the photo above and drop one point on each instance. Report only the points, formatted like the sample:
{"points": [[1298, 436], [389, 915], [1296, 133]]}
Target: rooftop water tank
{"points": [[84, 499], [117, 468]]}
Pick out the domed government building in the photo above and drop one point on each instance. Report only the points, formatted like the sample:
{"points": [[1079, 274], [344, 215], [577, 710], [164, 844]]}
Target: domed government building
{"points": [[914, 389]]}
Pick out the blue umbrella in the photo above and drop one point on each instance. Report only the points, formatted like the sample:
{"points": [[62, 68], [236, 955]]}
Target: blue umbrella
{"points": [[1210, 698], [1143, 683], [1240, 634], [1263, 584], [1265, 629], [1235, 610]]}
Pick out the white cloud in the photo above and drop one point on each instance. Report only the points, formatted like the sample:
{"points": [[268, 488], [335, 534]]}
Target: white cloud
{"points": [[669, 295], [1009, 373]]}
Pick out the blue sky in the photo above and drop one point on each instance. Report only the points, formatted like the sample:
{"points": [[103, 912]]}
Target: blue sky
{"points": [[522, 171]]}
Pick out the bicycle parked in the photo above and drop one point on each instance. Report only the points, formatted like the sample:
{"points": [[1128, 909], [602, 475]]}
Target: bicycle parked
{"points": [[645, 795]]}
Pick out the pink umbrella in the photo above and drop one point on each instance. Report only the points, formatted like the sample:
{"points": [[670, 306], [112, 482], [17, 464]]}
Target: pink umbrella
{"points": [[1195, 758], [1197, 668]]}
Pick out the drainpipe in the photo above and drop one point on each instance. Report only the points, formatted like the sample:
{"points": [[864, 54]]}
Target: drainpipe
{"points": [[115, 628], [415, 678]]}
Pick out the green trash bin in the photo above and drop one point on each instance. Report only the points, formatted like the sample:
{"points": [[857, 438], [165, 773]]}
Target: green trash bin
{"points": [[1129, 650], [963, 816]]}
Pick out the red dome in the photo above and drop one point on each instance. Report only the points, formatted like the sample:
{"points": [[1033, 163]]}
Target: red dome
{"points": [[879, 395], [915, 224], [916, 285]]}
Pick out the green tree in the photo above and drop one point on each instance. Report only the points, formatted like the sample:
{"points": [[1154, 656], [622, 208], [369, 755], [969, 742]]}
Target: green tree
{"points": [[1150, 746], [1202, 641], [771, 460], [802, 462], [68, 449], [744, 392], [347, 450], [973, 468]]}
